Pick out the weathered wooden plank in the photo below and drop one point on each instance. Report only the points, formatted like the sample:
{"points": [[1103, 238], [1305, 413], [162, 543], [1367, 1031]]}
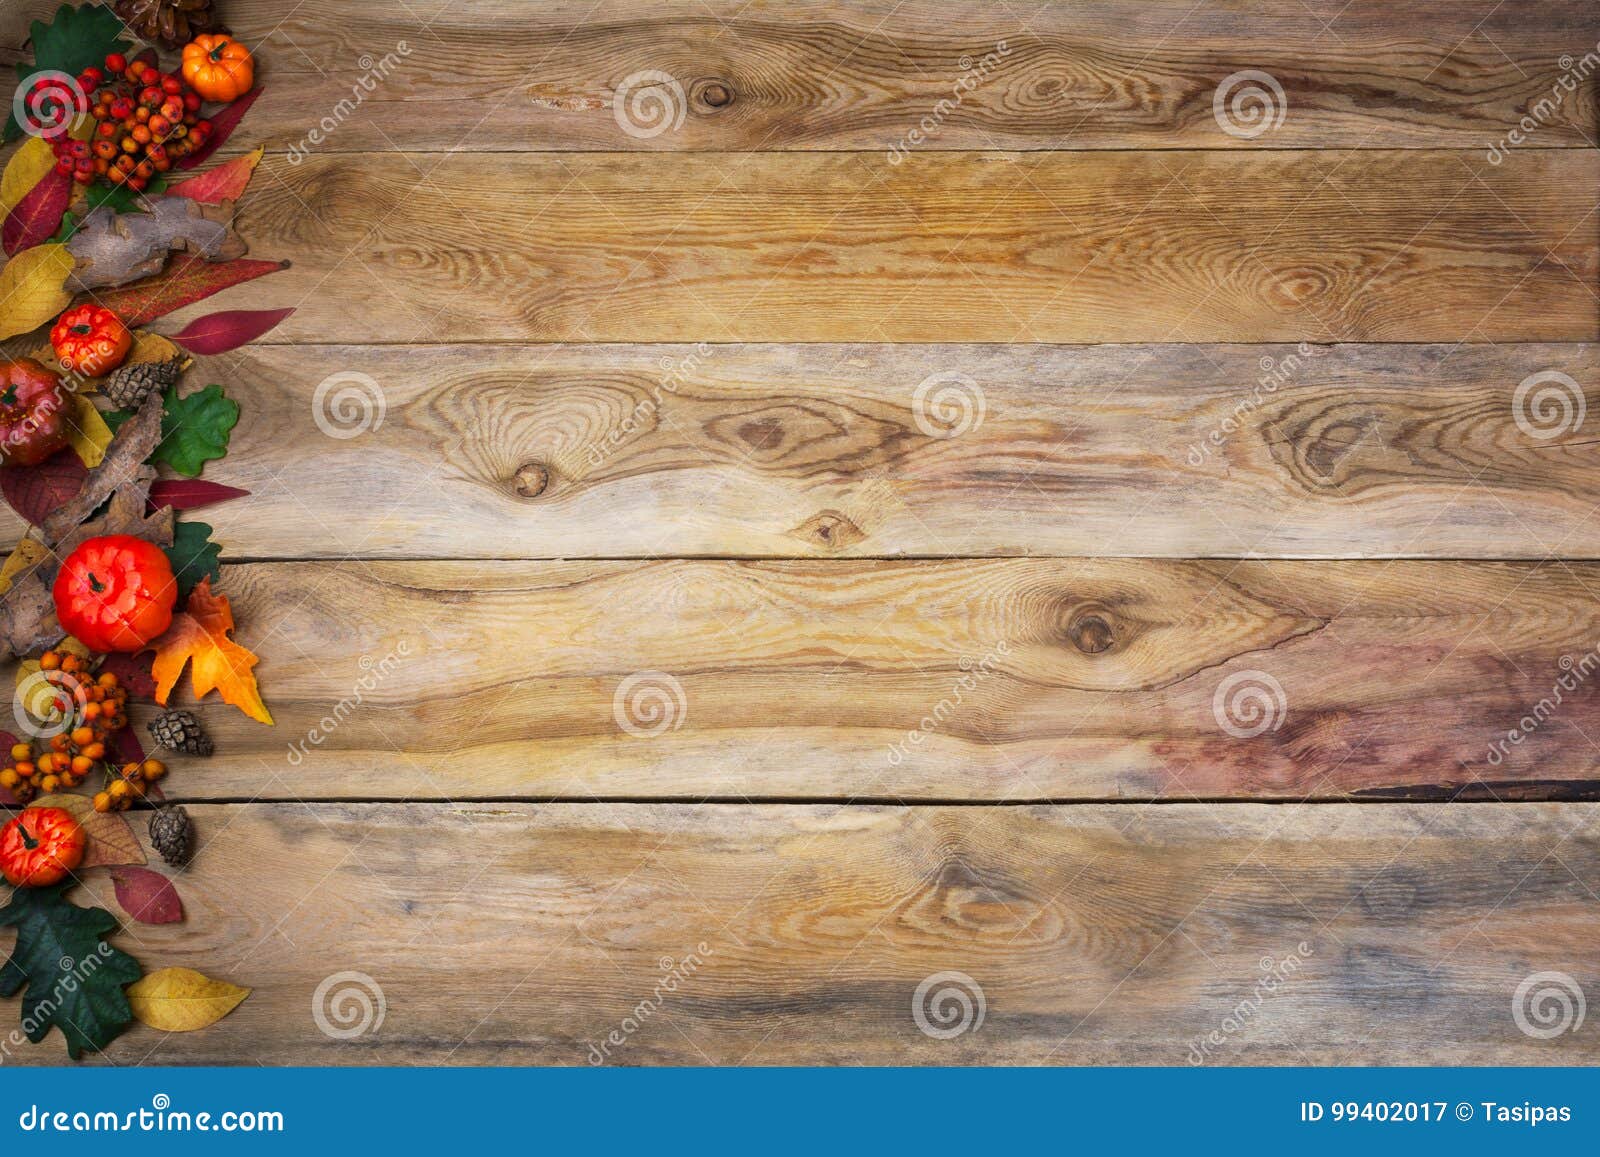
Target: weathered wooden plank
{"points": [[510, 74], [1012, 247], [520, 934], [1177, 451], [1002, 679]]}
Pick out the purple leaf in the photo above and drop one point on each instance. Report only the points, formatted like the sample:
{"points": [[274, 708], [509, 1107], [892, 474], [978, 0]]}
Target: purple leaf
{"points": [[147, 896], [37, 216], [35, 491], [190, 493], [217, 333]]}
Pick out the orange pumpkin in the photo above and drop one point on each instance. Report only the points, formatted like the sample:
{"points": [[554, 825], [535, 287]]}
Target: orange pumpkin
{"points": [[40, 847], [218, 67]]}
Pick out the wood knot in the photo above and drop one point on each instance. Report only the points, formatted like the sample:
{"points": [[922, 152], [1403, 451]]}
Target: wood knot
{"points": [[714, 94], [530, 480], [1091, 632], [830, 530]]}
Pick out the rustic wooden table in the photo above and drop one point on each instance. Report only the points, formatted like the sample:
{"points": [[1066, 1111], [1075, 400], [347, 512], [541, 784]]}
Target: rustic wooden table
{"points": [[772, 519]]}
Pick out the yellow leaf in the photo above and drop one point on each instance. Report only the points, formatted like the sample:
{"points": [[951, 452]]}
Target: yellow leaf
{"points": [[30, 553], [87, 431], [33, 288], [25, 170], [182, 1000]]}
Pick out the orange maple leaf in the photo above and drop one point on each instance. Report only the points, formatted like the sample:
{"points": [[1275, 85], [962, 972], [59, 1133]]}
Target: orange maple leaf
{"points": [[200, 633]]}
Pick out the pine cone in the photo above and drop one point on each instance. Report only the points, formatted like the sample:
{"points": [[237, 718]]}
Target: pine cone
{"points": [[127, 388], [180, 731], [172, 23], [171, 833]]}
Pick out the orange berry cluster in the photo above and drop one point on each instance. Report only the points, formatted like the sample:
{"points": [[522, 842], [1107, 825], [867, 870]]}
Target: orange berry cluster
{"points": [[99, 708], [128, 784]]}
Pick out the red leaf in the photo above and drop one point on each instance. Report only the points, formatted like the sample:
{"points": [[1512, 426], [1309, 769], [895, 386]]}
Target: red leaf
{"points": [[127, 746], [222, 126], [185, 282], [190, 493], [226, 182], [147, 56], [37, 216], [147, 896], [133, 672], [217, 333], [35, 491]]}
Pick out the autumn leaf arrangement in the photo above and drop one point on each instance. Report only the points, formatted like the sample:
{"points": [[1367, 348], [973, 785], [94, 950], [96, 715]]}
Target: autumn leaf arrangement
{"points": [[111, 594]]}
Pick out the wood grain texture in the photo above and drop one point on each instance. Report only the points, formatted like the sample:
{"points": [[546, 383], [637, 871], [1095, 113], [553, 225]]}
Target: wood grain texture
{"points": [[517, 934], [510, 74], [1177, 451], [1013, 247], [1002, 679]]}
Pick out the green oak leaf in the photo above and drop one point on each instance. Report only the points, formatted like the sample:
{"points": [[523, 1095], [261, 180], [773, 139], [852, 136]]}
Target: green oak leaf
{"points": [[75, 39], [194, 430], [193, 557], [74, 978]]}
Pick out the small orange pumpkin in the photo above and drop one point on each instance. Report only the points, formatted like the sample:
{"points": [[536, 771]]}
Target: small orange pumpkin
{"points": [[40, 847], [218, 67]]}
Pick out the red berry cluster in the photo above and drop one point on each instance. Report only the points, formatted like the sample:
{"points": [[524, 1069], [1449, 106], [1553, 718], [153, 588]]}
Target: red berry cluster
{"points": [[145, 120]]}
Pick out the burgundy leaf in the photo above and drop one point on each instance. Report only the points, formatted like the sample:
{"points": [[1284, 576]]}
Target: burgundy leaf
{"points": [[190, 493], [147, 896], [217, 333], [35, 491], [222, 126], [37, 216], [133, 672], [127, 745], [184, 283], [147, 56]]}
